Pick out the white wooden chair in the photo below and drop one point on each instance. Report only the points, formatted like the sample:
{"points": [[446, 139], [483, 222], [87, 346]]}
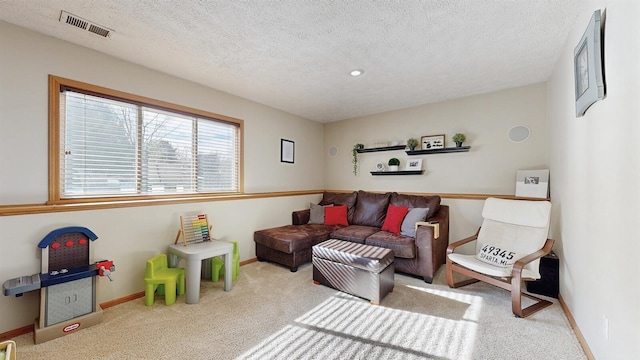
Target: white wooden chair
{"points": [[509, 245]]}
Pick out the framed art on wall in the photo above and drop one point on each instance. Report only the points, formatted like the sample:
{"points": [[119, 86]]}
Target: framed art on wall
{"points": [[430, 142], [532, 183], [587, 64], [414, 164], [287, 151]]}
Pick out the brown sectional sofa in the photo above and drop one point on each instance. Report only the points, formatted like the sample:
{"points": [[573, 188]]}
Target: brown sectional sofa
{"points": [[421, 256]]}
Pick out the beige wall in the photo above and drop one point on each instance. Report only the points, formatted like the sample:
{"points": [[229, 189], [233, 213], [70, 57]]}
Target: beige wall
{"points": [[488, 168], [595, 167], [130, 235]]}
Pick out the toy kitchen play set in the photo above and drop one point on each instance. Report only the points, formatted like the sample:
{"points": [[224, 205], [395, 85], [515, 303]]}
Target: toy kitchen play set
{"points": [[67, 283]]}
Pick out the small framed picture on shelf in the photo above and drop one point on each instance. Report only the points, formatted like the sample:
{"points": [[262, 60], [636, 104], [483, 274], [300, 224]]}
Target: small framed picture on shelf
{"points": [[431, 142], [413, 164]]}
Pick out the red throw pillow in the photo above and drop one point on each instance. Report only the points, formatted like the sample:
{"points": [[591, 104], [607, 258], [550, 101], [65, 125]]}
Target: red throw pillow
{"points": [[393, 221], [336, 215]]}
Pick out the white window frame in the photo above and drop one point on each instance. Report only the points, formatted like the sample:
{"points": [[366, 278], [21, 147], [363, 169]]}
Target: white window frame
{"points": [[56, 151]]}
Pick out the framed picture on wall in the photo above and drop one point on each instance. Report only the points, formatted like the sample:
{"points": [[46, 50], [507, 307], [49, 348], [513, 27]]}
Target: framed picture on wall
{"points": [[287, 151], [413, 164], [532, 183], [431, 142], [587, 63]]}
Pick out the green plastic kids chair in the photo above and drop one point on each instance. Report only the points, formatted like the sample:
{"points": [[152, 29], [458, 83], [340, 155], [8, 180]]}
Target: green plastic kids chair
{"points": [[217, 265], [167, 281]]}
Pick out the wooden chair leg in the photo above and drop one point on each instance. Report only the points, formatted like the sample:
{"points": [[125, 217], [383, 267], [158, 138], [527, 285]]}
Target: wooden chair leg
{"points": [[450, 267], [516, 300], [449, 270]]}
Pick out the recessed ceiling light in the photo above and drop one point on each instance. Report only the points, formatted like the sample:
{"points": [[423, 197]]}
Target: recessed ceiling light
{"points": [[356, 72]]}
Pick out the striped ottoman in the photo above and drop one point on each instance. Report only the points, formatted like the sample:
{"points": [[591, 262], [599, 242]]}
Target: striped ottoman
{"points": [[357, 269]]}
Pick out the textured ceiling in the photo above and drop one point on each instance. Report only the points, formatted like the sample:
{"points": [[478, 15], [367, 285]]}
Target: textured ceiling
{"points": [[296, 55]]}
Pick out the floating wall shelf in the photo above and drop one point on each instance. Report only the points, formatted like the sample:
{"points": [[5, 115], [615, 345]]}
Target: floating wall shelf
{"points": [[400, 172], [439, 151], [386, 148]]}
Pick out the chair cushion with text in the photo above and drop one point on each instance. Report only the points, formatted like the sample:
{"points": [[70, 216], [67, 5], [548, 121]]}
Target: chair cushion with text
{"points": [[517, 228]]}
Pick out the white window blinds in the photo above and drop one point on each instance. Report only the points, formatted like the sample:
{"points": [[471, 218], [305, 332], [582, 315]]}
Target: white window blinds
{"points": [[115, 148]]}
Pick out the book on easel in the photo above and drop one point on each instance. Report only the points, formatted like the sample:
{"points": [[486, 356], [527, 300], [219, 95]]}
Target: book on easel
{"points": [[194, 228]]}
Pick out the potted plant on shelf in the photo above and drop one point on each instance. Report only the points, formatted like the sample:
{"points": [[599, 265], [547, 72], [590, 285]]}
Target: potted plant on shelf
{"points": [[412, 143], [393, 164], [354, 160], [459, 138]]}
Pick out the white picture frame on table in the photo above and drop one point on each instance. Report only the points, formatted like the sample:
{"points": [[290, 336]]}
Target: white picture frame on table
{"points": [[532, 183]]}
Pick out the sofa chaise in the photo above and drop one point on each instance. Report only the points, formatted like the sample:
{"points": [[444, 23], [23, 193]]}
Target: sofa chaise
{"points": [[419, 243]]}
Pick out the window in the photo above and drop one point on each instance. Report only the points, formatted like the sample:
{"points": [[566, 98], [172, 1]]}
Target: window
{"points": [[111, 144]]}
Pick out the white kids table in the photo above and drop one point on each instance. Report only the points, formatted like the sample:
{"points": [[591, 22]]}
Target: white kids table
{"points": [[194, 253]]}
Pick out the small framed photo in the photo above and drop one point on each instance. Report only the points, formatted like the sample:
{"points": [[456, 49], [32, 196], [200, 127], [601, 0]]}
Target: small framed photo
{"points": [[413, 164], [587, 63], [532, 183], [287, 151], [431, 142]]}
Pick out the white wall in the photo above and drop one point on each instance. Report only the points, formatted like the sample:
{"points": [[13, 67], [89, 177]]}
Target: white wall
{"points": [[129, 235], [488, 168], [595, 167]]}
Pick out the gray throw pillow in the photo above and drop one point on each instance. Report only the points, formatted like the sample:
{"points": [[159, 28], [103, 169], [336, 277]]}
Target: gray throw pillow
{"points": [[316, 215], [414, 215]]}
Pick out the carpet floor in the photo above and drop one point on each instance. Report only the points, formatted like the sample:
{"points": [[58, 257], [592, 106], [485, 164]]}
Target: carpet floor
{"points": [[272, 313]]}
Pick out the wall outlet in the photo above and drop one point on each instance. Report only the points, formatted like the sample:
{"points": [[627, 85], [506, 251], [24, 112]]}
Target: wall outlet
{"points": [[606, 326]]}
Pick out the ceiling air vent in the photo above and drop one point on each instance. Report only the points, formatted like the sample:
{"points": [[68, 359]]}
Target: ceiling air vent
{"points": [[84, 24]]}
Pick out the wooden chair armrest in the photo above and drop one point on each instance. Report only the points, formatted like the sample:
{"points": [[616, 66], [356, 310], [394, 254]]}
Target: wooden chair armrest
{"points": [[434, 225], [521, 263], [454, 245]]}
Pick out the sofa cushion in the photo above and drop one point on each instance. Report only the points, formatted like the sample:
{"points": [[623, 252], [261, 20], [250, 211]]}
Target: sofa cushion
{"points": [[417, 201], [393, 220], [402, 246], [335, 215], [292, 238], [371, 209], [354, 233], [316, 213], [349, 199], [409, 223]]}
